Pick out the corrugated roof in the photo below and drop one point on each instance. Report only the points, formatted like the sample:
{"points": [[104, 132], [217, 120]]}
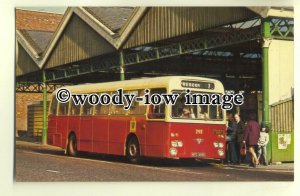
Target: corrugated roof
{"points": [[126, 27], [39, 21], [34, 31], [112, 17], [37, 39]]}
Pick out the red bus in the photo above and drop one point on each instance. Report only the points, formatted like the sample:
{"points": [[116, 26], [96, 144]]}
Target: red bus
{"points": [[144, 130]]}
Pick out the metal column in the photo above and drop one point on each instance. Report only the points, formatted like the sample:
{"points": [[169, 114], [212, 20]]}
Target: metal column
{"points": [[44, 132], [265, 70]]}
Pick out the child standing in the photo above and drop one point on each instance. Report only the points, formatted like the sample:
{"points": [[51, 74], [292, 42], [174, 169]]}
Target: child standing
{"points": [[262, 144]]}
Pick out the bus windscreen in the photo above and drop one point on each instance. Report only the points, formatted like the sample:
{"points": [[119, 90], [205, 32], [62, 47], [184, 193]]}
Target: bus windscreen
{"points": [[181, 110]]}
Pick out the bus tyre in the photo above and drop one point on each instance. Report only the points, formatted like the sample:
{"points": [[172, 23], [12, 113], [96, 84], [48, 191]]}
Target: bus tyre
{"points": [[72, 146], [133, 150]]}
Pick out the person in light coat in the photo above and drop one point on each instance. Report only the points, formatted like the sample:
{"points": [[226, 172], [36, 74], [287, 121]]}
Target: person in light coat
{"points": [[262, 144]]}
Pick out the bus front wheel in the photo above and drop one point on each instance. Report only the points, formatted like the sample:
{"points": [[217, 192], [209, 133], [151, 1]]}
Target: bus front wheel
{"points": [[133, 150], [72, 146]]}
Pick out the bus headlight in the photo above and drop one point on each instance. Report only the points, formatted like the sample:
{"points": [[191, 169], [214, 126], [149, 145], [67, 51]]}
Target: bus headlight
{"points": [[220, 152], [221, 145], [180, 143], [176, 143], [216, 144], [173, 151]]}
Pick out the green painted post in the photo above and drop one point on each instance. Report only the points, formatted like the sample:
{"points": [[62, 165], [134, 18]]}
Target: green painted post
{"points": [[122, 69], [265, 71], [266, 35], [44, 132]]}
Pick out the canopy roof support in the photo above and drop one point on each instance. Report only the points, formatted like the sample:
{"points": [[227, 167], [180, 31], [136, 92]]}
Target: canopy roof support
{"points": [[176, 49]]}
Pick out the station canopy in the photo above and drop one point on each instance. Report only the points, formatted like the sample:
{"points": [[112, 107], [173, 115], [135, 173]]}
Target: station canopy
{"points": [[218, 42]]}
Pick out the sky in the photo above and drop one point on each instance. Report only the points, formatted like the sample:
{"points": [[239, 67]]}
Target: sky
{"points": [[59, 10]]}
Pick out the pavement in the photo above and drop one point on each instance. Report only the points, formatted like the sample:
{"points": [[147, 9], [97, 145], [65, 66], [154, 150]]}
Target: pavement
{"points": [[35, 144], [273, 166]]}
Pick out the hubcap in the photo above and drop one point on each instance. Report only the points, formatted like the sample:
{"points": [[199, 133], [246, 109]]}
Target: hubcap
{"points": [[132, 150]]}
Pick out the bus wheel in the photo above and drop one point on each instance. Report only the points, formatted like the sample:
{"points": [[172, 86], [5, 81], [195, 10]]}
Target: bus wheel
{"points": [[72, 146], [133, 150]]}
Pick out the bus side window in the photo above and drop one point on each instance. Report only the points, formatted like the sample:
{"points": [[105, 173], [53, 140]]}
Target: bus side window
{"points": [[157, 111], [63, 109], [87, 109], [117, 110], [137, 107], [97, 109], [75, 109], [53, 107], [102, 109]]}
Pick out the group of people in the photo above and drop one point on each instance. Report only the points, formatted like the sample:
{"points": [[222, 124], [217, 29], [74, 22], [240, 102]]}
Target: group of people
{"points": [[250, 135]]}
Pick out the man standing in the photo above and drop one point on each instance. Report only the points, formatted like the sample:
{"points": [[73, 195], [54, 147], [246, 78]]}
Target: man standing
{"points": [[240, 129], [231, 139]]}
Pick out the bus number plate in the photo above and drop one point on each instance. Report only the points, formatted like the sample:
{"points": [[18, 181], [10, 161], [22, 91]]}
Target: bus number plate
{"points": [[198, 154]]}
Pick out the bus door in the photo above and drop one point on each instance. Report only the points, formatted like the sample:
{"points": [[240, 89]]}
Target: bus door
{"points": [[86, 128]]}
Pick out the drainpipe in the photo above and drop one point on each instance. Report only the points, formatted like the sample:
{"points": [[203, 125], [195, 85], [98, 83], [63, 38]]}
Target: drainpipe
{"points": [[44, 131]]}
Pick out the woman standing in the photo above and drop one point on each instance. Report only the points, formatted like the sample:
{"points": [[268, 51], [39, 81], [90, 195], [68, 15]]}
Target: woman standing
{"points": [[262, 144], [251, 137]]}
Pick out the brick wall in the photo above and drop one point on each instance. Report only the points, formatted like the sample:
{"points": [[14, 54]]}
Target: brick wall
{"points": [[39, 21], [22, 100], [32, 20]]}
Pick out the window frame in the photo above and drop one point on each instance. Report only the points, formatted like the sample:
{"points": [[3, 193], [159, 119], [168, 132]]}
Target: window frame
{"points": [[208, 108], [149, 106], [51, 105], [58, 108]]}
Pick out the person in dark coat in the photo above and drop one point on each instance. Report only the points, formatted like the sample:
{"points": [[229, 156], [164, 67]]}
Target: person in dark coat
{"points": [[231, 139], [251, 137], [240, 129]]}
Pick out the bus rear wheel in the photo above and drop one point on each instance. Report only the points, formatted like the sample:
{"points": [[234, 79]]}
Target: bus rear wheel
{"points": [[72, 146], [133, 150]]}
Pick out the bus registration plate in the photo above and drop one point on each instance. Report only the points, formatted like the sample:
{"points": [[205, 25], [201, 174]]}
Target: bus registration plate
{"points": [[198, 154]]}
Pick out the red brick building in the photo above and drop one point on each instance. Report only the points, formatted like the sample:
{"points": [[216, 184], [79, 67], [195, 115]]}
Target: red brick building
{"points": [[38, 21], [33, 23]]}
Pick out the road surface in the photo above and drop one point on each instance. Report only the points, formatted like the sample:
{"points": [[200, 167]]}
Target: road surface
{"points": [[37, 163]]}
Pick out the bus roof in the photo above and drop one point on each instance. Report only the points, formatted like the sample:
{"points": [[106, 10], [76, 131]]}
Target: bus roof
{"points": [[156, 82]]}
